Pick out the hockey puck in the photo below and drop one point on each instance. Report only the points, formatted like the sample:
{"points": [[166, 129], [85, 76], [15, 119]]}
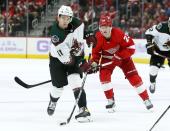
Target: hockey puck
{"points": [[63, 123]]}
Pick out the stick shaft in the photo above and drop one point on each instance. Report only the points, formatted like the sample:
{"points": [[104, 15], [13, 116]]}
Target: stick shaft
{"points": [[160, 55], [159, 118]]}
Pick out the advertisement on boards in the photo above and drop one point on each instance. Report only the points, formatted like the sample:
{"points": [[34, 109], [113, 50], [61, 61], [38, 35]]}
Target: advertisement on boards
{"points": [[12, 47], [38, 47], [140, 51], [31, 47]]}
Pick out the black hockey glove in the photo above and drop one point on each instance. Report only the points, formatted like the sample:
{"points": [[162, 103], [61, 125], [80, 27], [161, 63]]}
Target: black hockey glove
{"points": [[90, 39], [150, 48]]}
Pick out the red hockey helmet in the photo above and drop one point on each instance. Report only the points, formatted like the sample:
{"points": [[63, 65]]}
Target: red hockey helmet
{"points": [[105, 20]]}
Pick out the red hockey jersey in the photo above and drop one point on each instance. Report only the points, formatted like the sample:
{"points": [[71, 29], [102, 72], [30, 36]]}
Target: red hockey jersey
{"points": [[119, 44]]}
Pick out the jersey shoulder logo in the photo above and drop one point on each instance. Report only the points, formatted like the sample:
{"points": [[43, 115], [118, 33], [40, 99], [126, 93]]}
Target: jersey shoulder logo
{"points": [[159, 26], [126, 38], [55, 39]]}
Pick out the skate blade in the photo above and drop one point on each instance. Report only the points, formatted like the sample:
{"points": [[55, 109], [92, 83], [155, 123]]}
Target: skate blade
{"points": [[152, 91], [84, 119], [111, 110], [151, 110]]}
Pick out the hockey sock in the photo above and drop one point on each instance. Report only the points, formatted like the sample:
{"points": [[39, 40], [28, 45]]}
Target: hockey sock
{"points": [[53, 99], [153, 78], [144, 95], [153, 73], [82, 101], [109, 94]]}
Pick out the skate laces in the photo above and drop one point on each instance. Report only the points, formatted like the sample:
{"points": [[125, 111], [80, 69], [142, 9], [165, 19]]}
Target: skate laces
{"points": [[147, 102], [152, 86], [82, 109], [52, 105]]}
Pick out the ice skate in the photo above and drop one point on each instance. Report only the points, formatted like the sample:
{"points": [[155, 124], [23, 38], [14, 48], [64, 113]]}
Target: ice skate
{"points": [[148, 104], [152, 87], [84, 115], [111, 105], [51, 108]]}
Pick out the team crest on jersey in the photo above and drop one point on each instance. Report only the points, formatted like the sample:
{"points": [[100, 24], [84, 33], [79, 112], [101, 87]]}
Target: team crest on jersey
{"points": [[159, 26], [113, 50], [55, 39]]}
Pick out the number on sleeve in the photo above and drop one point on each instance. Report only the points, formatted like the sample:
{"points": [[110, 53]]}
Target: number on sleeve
{"points": [[126, 38], [59, 52]]}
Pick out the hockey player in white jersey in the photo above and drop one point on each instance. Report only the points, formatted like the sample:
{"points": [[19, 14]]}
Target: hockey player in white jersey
{"points": [[66, 54], [158, 46]]}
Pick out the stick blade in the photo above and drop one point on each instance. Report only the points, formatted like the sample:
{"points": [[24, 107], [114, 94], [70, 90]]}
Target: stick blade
{"points": [[63, 123], [20, 82]]}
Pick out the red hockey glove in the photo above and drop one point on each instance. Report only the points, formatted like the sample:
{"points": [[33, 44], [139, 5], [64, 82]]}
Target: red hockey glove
{"points": [[117, 61], [90, 39]]}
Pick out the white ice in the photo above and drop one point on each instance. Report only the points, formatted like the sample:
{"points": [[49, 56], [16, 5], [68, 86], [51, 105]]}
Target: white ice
{"points": [[25, 109]]}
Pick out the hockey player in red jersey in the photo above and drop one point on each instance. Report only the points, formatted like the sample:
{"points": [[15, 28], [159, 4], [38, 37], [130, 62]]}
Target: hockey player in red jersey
{"points": [[115, 46]]}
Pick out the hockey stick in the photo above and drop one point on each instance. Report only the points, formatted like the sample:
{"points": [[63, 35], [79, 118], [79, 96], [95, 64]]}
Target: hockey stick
{"points": [[76, 102], [159, 118], [77, 99], [155, 53], [28, 86]]}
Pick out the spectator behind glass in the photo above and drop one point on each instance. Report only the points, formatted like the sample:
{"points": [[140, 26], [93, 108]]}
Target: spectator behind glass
{"points": [[89, 15], [2, 26]]}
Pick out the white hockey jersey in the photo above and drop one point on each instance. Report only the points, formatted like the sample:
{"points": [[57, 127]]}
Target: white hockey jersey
{"points": [[64, 42], [161, 36]]}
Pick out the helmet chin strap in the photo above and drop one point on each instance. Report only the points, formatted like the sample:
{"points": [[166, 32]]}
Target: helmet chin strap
{"points": [[110, 31]]}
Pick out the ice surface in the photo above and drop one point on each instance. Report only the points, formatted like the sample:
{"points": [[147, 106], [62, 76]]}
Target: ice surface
{"points": [[25, 109]]}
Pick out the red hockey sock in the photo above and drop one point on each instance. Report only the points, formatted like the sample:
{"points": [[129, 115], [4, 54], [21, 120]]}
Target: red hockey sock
{"points": [[144, 95], [109, 94]]}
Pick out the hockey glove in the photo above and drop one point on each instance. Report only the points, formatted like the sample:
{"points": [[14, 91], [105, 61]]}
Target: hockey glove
{"points": [[150, 48], [84, 66], [91, 67], [90, 39], [117, 61]]}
